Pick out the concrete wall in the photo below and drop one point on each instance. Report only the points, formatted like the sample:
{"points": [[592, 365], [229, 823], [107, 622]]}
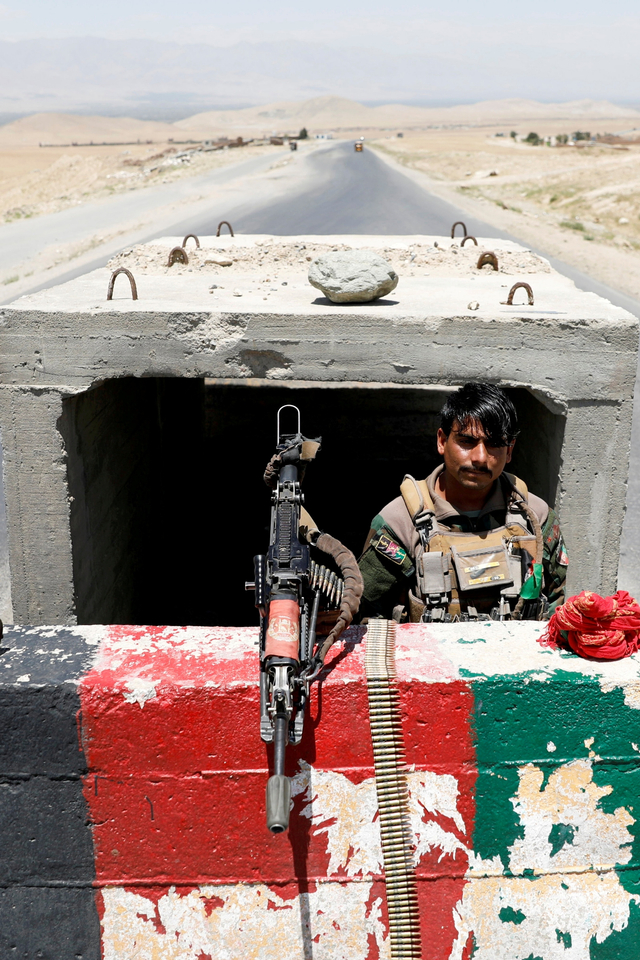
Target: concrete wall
{"points": [[6, 607], [37, 497], [47, 871], [572, 351], [523, 776]]}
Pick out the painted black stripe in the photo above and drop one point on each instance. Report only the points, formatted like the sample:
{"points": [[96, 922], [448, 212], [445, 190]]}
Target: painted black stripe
{"points": [[47, 901]]}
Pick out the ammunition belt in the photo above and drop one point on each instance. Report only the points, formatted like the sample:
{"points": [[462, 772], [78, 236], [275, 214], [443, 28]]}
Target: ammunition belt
{"points": [[396, 835], [330, 584]]}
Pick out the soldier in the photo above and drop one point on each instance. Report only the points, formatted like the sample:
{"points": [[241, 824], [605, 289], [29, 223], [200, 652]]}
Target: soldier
{"points": [[469, 542]]}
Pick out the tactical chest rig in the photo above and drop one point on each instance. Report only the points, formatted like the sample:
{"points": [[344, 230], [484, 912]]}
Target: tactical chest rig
{"points": [[475, 576]]}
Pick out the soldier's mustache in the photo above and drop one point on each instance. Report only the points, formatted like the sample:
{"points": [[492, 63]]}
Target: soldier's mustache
{"points": [[475, 470]]}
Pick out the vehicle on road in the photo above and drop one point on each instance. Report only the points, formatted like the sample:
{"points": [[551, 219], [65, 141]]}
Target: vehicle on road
{"points": [[358, 146]]}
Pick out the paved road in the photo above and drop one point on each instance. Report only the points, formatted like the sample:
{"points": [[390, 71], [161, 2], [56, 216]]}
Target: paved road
{"points": [[351, 192], [339, 191]]}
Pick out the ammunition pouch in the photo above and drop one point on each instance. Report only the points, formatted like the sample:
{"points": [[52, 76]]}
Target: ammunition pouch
{"points": [[433, 577]]}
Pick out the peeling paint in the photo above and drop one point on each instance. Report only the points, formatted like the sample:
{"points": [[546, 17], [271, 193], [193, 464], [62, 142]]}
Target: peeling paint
{"points": [[584, 907], [570, 797], [332, 922], [523, 820], [566, 837], [630, 686], [139, 691], [347, 813]]}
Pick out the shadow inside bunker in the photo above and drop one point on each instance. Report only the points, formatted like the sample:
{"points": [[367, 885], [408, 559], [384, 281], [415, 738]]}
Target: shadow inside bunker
{"points": [[167, 504]]}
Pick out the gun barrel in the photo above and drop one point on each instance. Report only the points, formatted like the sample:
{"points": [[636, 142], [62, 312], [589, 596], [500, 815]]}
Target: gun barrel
{"points": [[280, 737], [279, 786]]}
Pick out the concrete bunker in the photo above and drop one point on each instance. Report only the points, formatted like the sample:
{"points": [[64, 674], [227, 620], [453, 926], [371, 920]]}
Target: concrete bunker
{"points": [[167, 500], [118, 470]]}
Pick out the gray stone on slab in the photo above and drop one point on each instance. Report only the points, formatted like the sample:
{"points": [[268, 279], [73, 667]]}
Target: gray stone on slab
{"points": [[353, 276]]}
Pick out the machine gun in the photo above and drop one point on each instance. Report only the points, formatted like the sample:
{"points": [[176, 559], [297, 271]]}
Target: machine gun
{"points": [[290, 587]]}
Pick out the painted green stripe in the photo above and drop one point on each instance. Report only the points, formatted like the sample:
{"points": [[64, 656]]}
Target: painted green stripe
{"points": [[520, 721]]}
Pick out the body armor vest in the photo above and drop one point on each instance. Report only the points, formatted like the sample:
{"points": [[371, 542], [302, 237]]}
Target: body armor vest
{"points": [[475, 575]]}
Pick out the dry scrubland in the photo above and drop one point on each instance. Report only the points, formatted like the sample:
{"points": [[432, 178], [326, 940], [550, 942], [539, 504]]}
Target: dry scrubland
{"points": [[37, 180], [579, 203]]}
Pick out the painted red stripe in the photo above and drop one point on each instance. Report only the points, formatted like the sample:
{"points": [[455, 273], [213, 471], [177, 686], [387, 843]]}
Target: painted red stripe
{"points": [[176, 787]]}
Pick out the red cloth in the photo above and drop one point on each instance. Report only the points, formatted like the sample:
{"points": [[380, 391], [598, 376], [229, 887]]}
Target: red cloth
{"points": [[598, 628]]}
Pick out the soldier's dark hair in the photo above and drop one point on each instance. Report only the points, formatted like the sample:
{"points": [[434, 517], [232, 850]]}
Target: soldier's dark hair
{"points": [[487, 404]]}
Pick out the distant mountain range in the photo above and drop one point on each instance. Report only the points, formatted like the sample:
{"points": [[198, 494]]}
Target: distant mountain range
{"points": [[83, 73], [169, 81]]}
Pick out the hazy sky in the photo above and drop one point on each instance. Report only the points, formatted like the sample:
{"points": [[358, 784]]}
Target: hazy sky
{"points": [[548, 49], [568, 27]]}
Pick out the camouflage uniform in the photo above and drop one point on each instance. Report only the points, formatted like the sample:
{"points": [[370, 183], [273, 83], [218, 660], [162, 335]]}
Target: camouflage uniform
{"points": [[387, 562]]}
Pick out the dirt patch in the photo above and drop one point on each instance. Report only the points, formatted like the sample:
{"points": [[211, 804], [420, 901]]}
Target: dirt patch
{"points": [[272, 261]]}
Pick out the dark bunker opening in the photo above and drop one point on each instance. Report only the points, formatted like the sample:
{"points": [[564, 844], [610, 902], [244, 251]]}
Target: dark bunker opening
{"points": [[168, 505]]}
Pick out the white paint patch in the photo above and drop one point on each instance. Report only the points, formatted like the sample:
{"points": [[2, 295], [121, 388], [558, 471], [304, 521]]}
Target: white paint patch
{"points": [[333, 922], [437, 794], [570, 800], [630, 686], [554, 917], [551, 747], [433, 653], [555, 914], [91, 634], [225, 643], [139, 690], [347, 813]]}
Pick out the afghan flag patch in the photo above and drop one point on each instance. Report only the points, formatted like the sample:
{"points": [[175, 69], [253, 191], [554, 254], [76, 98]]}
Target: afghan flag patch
{"points": [[389, 548]]}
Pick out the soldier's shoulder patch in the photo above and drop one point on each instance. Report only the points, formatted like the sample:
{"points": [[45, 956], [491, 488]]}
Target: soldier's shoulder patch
{"points": [[389, 548]]}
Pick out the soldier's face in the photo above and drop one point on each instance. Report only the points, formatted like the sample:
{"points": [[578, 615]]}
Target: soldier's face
{"points": [[469, 457]]}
